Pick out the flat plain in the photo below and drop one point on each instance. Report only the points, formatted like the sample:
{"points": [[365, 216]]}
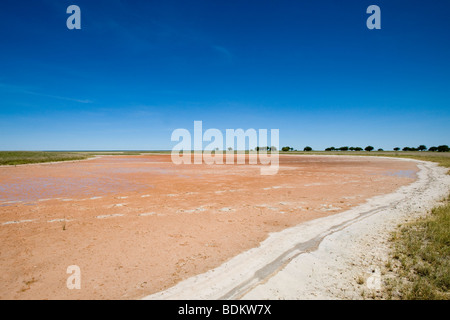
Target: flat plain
{"points": [[138, 224]]}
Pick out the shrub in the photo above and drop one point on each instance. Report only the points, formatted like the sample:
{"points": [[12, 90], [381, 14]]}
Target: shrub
{"points": [[422, 148]]}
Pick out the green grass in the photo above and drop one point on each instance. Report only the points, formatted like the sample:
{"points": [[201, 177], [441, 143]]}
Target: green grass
{"points": [[421, 257], [25, 157]]}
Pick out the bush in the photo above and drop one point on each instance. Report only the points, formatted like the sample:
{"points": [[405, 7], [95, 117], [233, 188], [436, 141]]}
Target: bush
{"points": [[307, 149], [422, 148]]}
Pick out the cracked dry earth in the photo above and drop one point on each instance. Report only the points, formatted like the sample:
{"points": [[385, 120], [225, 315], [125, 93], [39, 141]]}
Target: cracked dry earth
{"points": [[137, 225]]}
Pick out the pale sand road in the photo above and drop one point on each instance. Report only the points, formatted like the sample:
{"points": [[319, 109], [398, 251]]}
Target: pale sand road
{"points": [[322, 258]]}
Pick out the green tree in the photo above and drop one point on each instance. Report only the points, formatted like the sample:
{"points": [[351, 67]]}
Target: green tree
{"points": [[422, 148], [307, 148], [433, 149], [285, 149], [396, 149], [369, 148], [343, 148], [443, 148]]}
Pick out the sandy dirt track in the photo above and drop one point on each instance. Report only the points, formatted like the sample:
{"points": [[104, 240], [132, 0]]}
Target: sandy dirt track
{"points": [[324, 258], [138, 225]]}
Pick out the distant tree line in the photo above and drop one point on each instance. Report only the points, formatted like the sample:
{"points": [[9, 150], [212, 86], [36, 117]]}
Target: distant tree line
{"points": [[368, 148], [272, 148], [442, 148], [286, 149], [344, 149]]}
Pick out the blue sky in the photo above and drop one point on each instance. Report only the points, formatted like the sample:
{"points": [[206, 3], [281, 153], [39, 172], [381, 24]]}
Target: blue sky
{"points": [[137, 70]]}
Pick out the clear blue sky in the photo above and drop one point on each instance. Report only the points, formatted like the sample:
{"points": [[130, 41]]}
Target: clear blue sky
{"points": [[137, 70]]}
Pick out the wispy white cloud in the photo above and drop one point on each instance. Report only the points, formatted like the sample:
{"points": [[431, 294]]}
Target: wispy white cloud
{"points": [[58, 97], [27, 91], [223, 51]]}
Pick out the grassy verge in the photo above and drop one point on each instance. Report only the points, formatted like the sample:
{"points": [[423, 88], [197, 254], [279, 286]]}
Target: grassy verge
{"points": [[421, 258], [26, 157]]}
